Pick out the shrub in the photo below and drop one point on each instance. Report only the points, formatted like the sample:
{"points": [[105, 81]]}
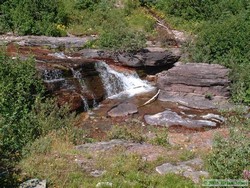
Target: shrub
{"points": [[33, 17], [24, 114], [230, 156], [201, 10], [87, 4]]}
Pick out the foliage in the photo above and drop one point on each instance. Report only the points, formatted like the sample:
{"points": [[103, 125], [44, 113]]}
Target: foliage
{"points": [[222, 32], [119, 29], [201, 10], [33, 17], [19, 89], [230, 156], [86, 4], [24, 116]]}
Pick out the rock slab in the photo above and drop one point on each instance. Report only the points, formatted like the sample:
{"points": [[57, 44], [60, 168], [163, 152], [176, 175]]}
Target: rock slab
{"points": [[194, 83], [123, 109], [187, 169], [168, 118], [198, 78]]}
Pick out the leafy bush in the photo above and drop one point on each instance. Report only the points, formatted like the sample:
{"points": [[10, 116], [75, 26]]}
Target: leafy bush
{"points": [[33, 17], [24, 115], [201, 10], [230, 156], [86, 4], [226, 42], [19, 89]]}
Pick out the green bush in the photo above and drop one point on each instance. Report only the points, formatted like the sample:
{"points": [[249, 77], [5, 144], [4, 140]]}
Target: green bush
{"points": [[230, 156], [226, 42], [201, 10], [86, 4], [33, 17], [24, 114]]}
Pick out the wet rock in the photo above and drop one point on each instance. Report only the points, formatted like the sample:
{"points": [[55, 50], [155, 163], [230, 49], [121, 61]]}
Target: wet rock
{"points": [[169, 118], [187, 169], [73, 99], [33, 183], [123, 109]]}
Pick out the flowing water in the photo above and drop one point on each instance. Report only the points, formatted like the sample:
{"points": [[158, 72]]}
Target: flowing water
{"points": [[121, 83], [54, 75], [116, 84]]}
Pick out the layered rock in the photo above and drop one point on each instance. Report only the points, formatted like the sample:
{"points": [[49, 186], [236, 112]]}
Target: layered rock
{"points": [[144, 58], [50, 42], [195, 84]]}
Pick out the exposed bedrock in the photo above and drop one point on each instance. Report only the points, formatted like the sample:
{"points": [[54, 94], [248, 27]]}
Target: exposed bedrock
{"points": [[144, 58], [196, 85]]}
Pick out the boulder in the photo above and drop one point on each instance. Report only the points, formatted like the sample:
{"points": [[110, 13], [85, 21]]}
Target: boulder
{"points": [[123, 109]]}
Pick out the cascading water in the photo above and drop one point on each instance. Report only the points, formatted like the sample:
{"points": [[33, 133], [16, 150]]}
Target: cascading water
{"points": [[117, 83], [108, 82], [77, 75], [52, 75]]}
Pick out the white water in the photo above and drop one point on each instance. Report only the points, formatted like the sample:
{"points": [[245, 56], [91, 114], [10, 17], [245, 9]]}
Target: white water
{"points": [[77, 75], [52, 75], [118, 83], [85, 103]]}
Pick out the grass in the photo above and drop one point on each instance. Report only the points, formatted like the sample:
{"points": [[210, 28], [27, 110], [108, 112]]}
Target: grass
{"points": [[58, 166], [136, 132]]}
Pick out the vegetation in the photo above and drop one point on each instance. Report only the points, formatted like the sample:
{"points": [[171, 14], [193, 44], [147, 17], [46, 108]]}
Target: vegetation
{"points": [[222, 29], [37, 137], [25, 115], [30, 17], [122, 29], [229, 157], [56, 164]]}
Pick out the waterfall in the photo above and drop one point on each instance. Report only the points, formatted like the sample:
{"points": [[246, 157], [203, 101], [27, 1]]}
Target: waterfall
{"points": [[117, 83], [52, 75], [85, 103], [77, 75]]}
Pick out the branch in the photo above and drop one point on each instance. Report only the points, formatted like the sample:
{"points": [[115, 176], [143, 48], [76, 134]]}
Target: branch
{"points": [[152, 99]]}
